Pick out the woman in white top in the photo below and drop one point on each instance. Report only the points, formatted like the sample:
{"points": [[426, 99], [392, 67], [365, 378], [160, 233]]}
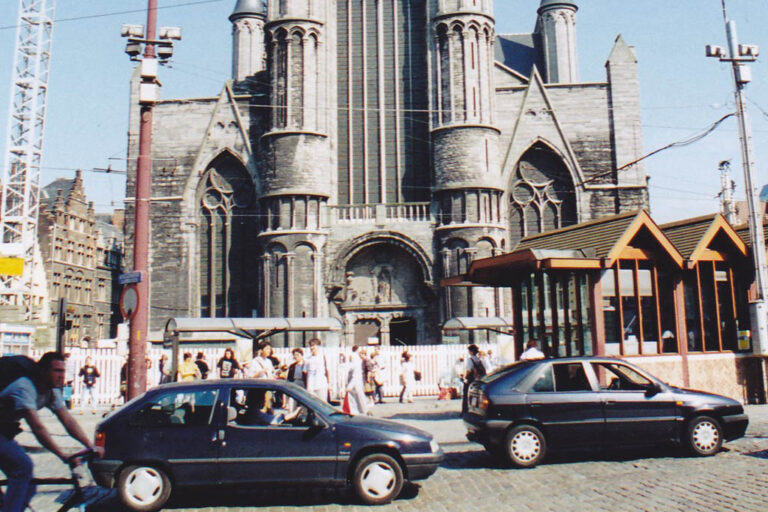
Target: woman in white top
{"points": [[406, 377]]}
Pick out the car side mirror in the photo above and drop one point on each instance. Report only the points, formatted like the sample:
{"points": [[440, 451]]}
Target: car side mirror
{"points": [[314, 422], [654, 388]]}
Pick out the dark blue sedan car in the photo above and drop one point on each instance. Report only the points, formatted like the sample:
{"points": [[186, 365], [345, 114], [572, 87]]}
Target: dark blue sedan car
{"points": [[584, 403], [253, 432]]}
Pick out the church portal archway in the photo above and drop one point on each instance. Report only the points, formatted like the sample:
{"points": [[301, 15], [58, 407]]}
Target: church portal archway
{"points": [[384, 283]]}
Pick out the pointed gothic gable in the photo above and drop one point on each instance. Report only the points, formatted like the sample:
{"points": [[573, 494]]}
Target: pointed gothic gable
{"points": [[225, 131], [622, 52], [699, 237], [607, 238], [537, 122]]}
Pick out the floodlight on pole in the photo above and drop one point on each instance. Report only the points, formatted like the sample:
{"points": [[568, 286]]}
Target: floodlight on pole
{"points": [[739, 55]]}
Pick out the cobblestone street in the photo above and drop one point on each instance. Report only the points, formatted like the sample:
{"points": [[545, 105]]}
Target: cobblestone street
{"points": [[469, 479]]}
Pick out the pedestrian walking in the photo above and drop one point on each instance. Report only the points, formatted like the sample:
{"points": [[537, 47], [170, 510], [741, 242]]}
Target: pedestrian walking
{"points": [[202, 365], [355, 385], [89, 373], [407, 377], [473, 370], [377, 377], [316, 369]]}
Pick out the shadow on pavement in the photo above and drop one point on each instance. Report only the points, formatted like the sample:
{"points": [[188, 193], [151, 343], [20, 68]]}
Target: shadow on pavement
{"points": [[426, 416], [479, 458], [762, 454], [233, 497]]}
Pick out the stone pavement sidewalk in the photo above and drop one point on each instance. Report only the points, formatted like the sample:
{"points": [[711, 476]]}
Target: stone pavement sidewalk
{"points": [[736, 479]]}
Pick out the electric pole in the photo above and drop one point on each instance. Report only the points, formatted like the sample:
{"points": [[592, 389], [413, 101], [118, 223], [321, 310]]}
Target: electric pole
{"points": [[738, 55], [148, 95]]}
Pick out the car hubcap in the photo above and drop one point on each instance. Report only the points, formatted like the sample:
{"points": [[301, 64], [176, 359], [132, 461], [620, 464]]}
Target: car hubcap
{"points": [[143, 486], [705, 436], [378, 479], [525, 446]]}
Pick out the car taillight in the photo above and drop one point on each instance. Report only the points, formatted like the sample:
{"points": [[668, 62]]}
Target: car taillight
{"points": [[483, 402], [100, 440]]}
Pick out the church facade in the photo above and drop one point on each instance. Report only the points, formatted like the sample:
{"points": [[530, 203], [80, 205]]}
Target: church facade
{"points": [[366, 149]]}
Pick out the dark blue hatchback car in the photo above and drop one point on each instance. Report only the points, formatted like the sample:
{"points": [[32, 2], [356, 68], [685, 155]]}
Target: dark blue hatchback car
{"points": [[234, 432]]}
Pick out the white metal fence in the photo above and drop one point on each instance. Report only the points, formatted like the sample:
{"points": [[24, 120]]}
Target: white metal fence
{"points": [[439, 366]]}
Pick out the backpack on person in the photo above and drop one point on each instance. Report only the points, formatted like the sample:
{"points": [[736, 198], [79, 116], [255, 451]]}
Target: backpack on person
{"points": [[478, 368], [11, 369]]}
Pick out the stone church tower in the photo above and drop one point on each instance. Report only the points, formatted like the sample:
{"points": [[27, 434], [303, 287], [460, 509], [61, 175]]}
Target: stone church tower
{"points": [[366, 149]]}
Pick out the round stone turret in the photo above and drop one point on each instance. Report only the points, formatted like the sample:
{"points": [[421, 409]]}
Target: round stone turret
{"points": [[247, 38], [557, 29], [248, 8]]}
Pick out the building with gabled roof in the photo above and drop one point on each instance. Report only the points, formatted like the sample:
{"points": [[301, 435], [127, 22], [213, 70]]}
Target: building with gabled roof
{"points": [[82, 258], [672, 298]]}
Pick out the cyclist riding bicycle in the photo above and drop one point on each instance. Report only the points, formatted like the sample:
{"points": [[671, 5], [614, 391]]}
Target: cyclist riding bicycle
{"points": [[25, 388]]}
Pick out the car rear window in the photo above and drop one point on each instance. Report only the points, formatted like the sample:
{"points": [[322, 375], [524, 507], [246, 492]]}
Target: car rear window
{"points": [[176, 408], [511, 375]]}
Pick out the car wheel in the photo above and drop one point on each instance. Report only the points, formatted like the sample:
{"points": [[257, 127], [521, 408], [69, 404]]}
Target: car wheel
{"points": [[526, 446], [378, 479], [143, 488], [705, 437]]}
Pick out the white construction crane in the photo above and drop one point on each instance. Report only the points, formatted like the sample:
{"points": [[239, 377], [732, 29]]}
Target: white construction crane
{"points": [[23, 154]]}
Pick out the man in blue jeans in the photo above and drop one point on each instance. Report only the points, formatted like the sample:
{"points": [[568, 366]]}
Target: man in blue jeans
{"points": [[33, 386]]}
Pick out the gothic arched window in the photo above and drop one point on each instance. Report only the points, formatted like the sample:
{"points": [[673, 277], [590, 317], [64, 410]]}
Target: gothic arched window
{"points": [[227, 281], [542, 195]]}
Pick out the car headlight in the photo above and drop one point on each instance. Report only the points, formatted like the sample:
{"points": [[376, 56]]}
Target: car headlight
{"points": [[434, 446]]}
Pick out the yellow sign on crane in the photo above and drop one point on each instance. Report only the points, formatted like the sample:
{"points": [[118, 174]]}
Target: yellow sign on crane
{"points": [[11, 266]]}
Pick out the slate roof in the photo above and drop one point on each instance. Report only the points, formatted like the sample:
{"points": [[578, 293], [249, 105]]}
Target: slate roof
{"points": [[49, 192], [686, 234], [743, 231], [594, 239], [519, 52]]}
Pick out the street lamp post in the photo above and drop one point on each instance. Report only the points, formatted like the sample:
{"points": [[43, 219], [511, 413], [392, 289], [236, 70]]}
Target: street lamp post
{"points": [[148, 95], [739, 55]]}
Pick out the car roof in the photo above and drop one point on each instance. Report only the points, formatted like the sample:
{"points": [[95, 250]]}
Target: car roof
{"points": [[217, 383], [582, 359]]}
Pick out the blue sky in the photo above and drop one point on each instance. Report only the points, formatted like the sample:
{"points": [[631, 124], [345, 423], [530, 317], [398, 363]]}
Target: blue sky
{"points": [[682, 92]]}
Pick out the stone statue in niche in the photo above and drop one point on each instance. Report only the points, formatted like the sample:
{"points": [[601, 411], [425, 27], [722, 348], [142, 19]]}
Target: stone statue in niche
{"points": [[350, 297], [382, 275]]}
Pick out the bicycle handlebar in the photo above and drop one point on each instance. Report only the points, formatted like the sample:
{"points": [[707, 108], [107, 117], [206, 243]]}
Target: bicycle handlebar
{"points": [[83, 455]]}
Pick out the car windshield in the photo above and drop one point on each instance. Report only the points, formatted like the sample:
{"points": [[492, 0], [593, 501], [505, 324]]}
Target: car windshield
{"points": [[512, 374], [312, 401]]}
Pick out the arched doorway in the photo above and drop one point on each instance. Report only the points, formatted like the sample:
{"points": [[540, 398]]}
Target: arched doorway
{"points": [[384, 282], [403, 331]]}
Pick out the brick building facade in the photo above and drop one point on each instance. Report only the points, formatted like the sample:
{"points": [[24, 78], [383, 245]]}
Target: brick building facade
{"points": [[367, 148], [82, 256]]}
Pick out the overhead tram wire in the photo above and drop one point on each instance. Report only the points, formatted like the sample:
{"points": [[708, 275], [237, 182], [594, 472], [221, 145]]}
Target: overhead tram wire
{"points": [[120, 13], [681, 143]]}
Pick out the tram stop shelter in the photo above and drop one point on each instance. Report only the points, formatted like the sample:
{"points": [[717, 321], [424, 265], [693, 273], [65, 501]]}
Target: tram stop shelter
{"points": [[227, 330]]}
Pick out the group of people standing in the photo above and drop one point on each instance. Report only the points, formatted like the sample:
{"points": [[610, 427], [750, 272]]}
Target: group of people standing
{"points": [[360, 379]]}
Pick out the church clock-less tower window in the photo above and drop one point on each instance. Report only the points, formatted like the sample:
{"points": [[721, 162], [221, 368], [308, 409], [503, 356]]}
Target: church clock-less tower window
{"points": [[225, 220], [542, 195]]}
